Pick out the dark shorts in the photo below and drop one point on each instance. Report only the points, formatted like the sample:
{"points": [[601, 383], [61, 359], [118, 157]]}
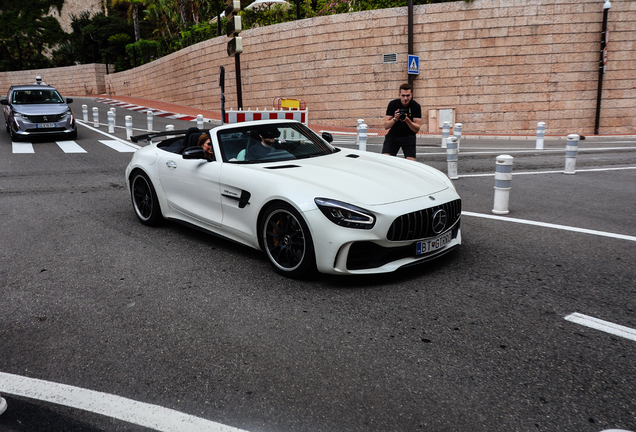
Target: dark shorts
{"points": [[392, 145]]}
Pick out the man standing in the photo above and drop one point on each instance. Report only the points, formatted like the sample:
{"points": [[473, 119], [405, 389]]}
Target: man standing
{"points": [[403, 118]]}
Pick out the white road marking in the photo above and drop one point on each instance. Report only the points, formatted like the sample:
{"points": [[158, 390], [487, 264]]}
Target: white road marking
{"points": [[70, 147], [113, 137], [539, 152], [552, 172], [18, 147], [604, 326], [118, 145], [139, 413], [549, 225]]}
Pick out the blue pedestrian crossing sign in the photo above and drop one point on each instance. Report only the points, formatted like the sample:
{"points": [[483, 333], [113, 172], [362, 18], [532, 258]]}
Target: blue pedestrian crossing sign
{"points": [[414, 65]]}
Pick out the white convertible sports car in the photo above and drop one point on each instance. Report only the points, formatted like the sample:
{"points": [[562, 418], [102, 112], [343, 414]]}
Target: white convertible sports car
{"points": [[276, 186]]}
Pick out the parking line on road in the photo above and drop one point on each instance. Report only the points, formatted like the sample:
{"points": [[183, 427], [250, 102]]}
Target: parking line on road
{"points": [[22, 147], [128, 410], [604, 326], [552, 172], [549, 225]]}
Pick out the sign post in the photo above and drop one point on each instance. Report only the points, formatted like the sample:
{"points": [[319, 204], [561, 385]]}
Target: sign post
{"points": [[235, 45], [222, 85], [602, 65]]}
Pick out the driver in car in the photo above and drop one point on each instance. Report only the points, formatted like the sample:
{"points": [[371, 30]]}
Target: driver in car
{"points": [[260, 150]]}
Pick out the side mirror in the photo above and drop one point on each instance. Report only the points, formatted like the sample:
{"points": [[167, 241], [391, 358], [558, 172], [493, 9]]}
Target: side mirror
{"points": [[69, 100], [327, 137], [194, 153], [4, 102]]}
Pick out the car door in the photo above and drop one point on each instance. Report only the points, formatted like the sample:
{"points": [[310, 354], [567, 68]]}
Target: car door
{"points": [[191, 187]]}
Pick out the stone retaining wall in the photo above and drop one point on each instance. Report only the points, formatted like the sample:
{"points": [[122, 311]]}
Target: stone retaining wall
{"points": [[502, 65], [79, 80]]}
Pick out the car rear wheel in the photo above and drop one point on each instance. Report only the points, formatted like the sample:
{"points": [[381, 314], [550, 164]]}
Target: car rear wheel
{"points": [[287, 242], [145, 200]]}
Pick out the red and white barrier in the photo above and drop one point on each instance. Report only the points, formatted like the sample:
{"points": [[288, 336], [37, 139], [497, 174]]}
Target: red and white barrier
{"points": [[232, 116]]}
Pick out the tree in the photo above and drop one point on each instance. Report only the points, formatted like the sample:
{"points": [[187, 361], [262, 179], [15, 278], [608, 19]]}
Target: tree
{"points": [[26, 32], [95, 39], [133, 13], [161, 15]]}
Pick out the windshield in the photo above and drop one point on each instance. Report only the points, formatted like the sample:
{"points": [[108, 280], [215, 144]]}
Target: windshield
{"points": [[271, 142], [24, 97]]}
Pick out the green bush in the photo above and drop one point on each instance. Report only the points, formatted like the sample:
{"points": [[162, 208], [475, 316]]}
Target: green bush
{"points": [[142, 52]]}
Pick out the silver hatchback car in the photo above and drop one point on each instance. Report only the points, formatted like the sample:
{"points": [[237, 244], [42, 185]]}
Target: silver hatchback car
{"points": [[36, 110]]}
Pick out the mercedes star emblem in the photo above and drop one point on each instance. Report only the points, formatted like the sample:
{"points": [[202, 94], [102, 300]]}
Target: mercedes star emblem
{"points": [[439, 221]]}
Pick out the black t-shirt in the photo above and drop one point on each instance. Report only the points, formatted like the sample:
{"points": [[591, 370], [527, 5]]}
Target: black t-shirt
{"points": [[400, 128], [257, 151]]}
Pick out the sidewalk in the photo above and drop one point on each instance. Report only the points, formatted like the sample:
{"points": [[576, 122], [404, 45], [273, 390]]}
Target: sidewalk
{"points": [[215, 117]]}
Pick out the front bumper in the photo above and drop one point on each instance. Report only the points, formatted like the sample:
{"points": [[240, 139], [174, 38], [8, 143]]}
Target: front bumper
{"points": [[342, 250], [25, 127]]}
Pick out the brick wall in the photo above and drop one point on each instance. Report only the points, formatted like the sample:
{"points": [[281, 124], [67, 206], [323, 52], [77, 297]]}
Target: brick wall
{"points": [[502, 65], [70, 81]]}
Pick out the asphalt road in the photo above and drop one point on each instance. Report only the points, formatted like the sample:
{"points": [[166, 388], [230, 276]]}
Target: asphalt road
{"points": [[170, 316]]}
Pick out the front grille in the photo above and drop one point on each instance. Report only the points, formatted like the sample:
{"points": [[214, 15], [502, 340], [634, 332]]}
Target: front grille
{"points": [[46, 118], [419, 224]]}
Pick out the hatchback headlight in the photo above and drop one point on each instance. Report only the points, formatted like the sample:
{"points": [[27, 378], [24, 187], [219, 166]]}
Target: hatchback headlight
{"points": [[345, 215]]}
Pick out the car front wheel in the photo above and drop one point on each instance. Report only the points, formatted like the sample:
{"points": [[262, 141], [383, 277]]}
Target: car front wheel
{"points": [[287, 242], [145, 200]]}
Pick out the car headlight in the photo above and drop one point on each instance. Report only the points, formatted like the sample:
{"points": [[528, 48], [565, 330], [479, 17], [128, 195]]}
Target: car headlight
{"points": [[345, 215], [69, 116], [19, 116]]}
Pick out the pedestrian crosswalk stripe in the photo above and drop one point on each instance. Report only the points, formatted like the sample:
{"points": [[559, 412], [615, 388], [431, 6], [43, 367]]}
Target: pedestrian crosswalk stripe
{"points": [[119, 146], [73, 147], [70, 147], [22, 147]]}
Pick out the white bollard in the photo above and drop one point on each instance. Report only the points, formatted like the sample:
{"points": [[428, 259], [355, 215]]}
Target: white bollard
{"points": [[149, 118], [129, 128], [571, 149], [451, 158], [111, 122], [114, 111], [169, 128], [85, 113], [540, 135], [95, 117], [362, 137], [360, 121], [200, 121], [445, 133], [457, 133], [503, 184]]}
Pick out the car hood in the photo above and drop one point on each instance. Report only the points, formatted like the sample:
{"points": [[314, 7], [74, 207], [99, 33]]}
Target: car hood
{"points": [[41, 109], [352, 176]]}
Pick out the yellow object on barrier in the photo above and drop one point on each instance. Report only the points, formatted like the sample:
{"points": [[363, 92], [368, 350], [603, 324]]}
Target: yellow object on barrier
{"points": [[289, 104]]}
